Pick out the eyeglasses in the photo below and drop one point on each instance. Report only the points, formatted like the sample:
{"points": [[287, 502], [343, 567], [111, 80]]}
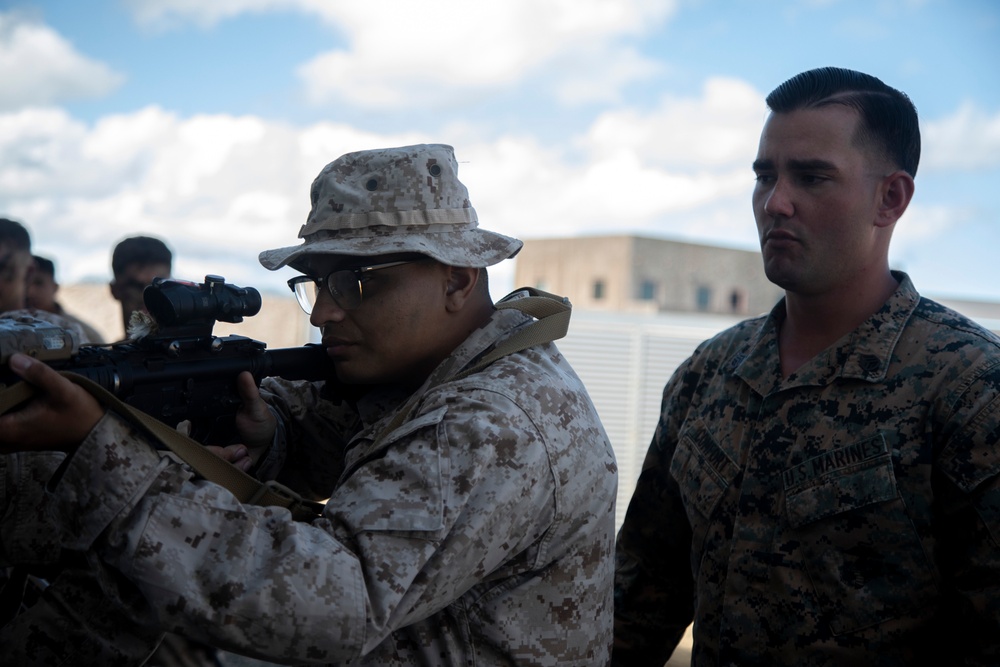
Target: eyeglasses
{"points": [[345, 285]]}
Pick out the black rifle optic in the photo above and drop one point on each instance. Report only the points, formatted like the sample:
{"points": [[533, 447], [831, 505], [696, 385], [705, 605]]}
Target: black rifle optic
{"points": [[179, 371]]}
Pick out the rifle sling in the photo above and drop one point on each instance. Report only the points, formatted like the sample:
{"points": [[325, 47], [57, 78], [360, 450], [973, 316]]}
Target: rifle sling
{"points": [[247, 489], [552, 315]]}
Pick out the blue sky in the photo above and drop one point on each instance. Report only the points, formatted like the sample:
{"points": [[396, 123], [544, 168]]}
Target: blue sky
{"points": [[204, 122]]}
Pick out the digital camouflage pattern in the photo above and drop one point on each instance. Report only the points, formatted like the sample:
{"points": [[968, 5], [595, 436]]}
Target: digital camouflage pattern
{"points": [[70, 621], [480, 532], [847, 515], [87, 615], [26, 537], [394, 200], [67, 613]]}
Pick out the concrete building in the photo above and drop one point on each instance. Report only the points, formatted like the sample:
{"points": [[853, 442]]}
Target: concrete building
{"points": [[636, 274]]}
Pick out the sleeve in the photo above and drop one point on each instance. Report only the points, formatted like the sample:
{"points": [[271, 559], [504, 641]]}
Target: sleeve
{"points": [[413, 526], [87, 615], [26, 534], [653, 580], [968, 527], [65, 616], [314, 428]]}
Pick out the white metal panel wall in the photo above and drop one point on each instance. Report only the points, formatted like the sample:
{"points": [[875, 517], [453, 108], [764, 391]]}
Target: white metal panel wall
{"points": [[624, 361]]}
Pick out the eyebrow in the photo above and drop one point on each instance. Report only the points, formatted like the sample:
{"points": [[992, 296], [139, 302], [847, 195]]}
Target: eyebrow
{"points": [[797, 165], [811, 165]]}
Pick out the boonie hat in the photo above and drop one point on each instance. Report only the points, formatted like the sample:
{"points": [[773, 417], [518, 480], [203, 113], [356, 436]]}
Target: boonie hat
{"points": [[394, 200]]}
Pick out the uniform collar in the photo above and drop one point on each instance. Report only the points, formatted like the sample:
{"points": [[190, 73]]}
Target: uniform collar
{"points": [[863, 354]]}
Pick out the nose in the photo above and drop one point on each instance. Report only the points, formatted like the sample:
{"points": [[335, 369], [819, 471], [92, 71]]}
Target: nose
{"points": [[778, 201], [326, 310]]}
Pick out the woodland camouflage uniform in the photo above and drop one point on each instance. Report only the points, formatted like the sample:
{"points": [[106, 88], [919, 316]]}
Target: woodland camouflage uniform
{"points": [[846, 515]]}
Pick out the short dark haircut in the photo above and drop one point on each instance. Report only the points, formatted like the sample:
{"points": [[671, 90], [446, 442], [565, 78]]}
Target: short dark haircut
{"points": [[888, 118], [45, 265], [15, 234], [139, 250]]}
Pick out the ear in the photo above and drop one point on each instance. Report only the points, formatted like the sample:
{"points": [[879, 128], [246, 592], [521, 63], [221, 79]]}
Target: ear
{"points": [[115, 294], [460, 286], [895, 195]]}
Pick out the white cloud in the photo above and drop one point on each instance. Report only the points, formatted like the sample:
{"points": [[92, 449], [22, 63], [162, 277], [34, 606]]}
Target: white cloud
{"points": [[166, 14], [925, 229], [39, 67], [218, 188], [719, 128], [922, 222], [671, 171], [222, 188], [469, 47], [966, 140], [598, 75], [401, 52], [528, 190], [444, 53], [35, 145]]}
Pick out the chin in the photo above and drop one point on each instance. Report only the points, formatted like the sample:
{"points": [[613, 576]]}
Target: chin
{"points": [[779, 278], [347, 375], [783, 275]]}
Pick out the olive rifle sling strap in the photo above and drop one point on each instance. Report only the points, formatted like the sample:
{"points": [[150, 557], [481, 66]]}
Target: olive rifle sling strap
{"points": [[246, 488]]}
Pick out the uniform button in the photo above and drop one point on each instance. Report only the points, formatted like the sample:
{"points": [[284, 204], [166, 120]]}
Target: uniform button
{"points": [[870, 363]]}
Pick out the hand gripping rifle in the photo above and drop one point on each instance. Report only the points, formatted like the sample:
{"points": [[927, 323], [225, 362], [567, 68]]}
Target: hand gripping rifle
{"points": [[179, 370]]}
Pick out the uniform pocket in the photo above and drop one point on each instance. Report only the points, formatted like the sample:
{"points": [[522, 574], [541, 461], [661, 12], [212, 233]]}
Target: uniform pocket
{"points": [[398, 486], [861, 550], [702, 470]]}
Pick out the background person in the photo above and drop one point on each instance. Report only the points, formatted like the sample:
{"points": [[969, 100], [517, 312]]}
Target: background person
{"points": [[17, 269], [823, 487], [135, 261], [15, 264], [41, 295]]}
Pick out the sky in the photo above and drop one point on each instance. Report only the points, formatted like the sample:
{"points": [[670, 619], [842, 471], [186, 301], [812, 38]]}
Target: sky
{"points": [[204, 122]]}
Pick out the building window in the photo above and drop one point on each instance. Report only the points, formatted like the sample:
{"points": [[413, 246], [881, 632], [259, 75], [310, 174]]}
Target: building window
{"points": [[703, 298], [598, 290], [737, 301], [647, 290]]}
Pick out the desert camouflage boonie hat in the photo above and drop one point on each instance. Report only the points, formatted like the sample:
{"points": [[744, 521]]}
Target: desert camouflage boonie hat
{"points": [[394, 200]]}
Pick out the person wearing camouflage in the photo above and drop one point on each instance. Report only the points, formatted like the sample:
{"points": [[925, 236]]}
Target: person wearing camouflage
{"points": [[470, 517], [823, 486]]}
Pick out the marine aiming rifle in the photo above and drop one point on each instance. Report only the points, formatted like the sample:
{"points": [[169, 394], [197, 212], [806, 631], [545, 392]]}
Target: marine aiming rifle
{"points": [[178, 370]]}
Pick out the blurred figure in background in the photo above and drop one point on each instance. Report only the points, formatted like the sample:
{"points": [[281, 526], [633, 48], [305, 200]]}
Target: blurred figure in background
{"points": [[17, 272], [135, 262], [41, 295], [15, 264]]}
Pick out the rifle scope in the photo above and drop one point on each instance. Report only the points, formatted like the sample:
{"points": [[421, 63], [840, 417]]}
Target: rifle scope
{"points": [[175, 302]]}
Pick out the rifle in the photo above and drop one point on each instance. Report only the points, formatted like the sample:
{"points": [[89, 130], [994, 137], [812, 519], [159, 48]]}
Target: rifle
{"points": [[178, 370]]}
